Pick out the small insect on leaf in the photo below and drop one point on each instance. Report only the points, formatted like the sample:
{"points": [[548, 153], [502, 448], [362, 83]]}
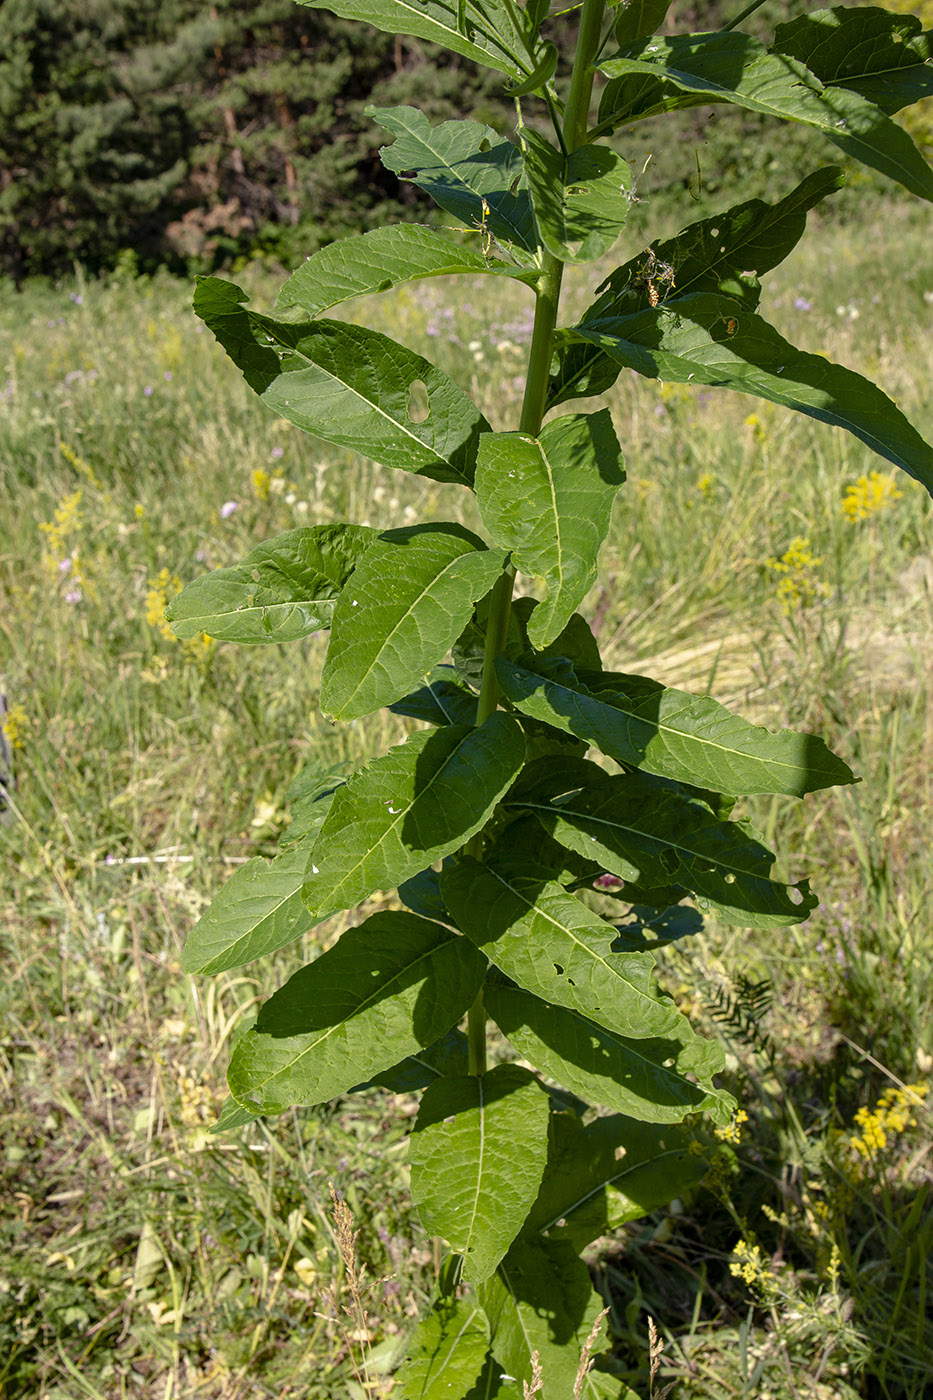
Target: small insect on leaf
{"points": [[731, 324]]}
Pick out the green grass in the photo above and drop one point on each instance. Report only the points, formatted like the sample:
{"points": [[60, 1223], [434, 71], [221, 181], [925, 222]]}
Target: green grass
{"points": [[142, 1257]]}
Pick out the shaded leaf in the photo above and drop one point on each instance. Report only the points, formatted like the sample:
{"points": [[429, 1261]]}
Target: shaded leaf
{"points": [[689, 738], [284, 589], [378, 260], [449, 1055], [466, 168], [652, 1080], [407, 602], [575, 641], [446, 1352], [548, 500], [408, 808], [883, 56], [477, 1155], [638, 19], [441, 700], [309, 799], [580, 201], [390, 986], [348, 385]]}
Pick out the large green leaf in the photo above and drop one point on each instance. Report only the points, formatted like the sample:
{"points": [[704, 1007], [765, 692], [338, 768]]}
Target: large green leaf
{"points": [[445, 1353], [541, 1300], [548, 500], [466, 168], [689, 738], [554, 946], [608, 1172], [406, 604], [408, 808], [639, 18], [727, 252], [258, 910], [710, 339], [657, 1081], [441, 700], [388, 987], [487, 33], [881, 55], [378, 260], [733, 67], [653, 835], [348, 385], [284, 588], [580, 201], [477, 1155]]}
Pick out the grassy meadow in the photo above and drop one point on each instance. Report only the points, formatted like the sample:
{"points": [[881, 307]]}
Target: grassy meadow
{"points": [[767, 560]]}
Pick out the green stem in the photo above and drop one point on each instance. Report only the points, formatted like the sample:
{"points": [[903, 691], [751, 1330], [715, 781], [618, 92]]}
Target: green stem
{"points": [[534, 403]]}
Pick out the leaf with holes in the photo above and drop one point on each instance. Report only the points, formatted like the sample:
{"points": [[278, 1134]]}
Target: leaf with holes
{"points": [[548, 500], [348, 385], [389, 986], [284, 589], [477, 1154], [885, 57], [406, 604], [580, 201], [408, 808]]}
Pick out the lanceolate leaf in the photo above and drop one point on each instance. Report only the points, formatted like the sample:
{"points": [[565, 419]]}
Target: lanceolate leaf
{"points": [[710, 339], [733, 67], [410, 807], [284, 589], [881, 55], [548, 500], [652, 1080], [552, 945], [258, 910], [477, 1155], [653, 835], [376, 261], [689, 738], [441, 700], [391, 985], [466, 168], [485, 33], [405, 606], [445, 1354], [725, 253], [541, 1300], [609, 1172], [580, 201], [348, 385]]}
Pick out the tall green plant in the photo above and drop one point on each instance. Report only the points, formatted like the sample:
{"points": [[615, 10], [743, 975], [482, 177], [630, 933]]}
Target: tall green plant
{"points": [[491, 820]]}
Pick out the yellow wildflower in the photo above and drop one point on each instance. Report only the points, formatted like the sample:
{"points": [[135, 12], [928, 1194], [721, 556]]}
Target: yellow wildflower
{"points": [[15, 726], [799, 586], [749, 1265], [260, 481], [757, 427], [892, 1115], [732, 1132], [80, 465], [868, 495], [705, 485], [161, 588], [67, 520]]}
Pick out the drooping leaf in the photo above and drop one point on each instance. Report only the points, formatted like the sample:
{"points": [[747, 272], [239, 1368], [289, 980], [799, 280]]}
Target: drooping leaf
{"points": [[689, 738], [466, 168], [883, 56], [652, 835], [407, 602], [389, 986], [422, 895], [487, 34], [645, 1079], [541, 1300], [284, 589], [736, 68], [446, 1352], [580, 201], [608, 1172], [348, 385], [258, 910], [449, 1055], [552, 945], [441, 700], [408, 808], [726, 253], [378, 260], [477, 1155], [548, 500], [638, 19], [710, 339], [575, 641]]}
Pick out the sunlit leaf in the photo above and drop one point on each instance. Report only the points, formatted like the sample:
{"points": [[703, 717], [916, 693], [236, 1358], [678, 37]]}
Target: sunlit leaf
{"points": [[445, 1354], [881, 55]]}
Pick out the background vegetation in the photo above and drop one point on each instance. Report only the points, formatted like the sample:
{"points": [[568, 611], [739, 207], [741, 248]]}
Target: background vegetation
{"points": [[753, 553]]}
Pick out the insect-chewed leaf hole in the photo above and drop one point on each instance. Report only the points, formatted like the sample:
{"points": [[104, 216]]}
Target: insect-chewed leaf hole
{"points": [[419, 405]]}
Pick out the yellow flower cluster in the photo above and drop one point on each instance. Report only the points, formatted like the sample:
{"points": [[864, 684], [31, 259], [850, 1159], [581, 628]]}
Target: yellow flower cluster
{"points": [[66, 521], [260, 481], [757, 427], [732, 1132], [749, 1265], [892, 1115], [799, 586], [868, 495], [15, 726], [82, 467], [705, 485], [160, 592]]}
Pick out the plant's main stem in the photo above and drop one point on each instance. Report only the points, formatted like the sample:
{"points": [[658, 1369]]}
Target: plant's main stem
{"points": [[576, 120]]}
